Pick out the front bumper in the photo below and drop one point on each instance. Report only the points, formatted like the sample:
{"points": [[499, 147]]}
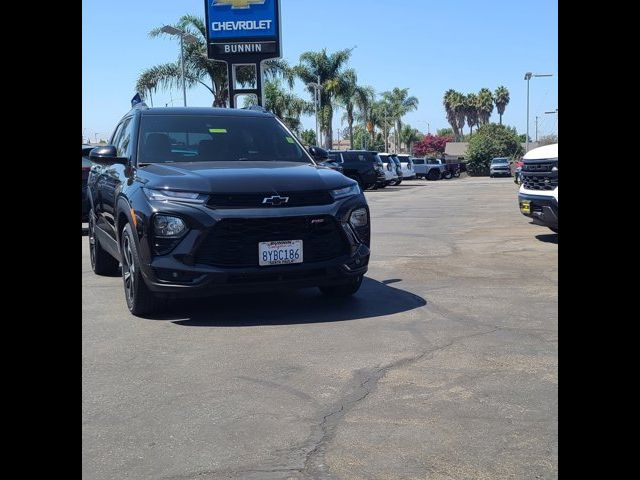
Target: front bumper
{"points": [[177, 274], [543, 209], [506, 173]]}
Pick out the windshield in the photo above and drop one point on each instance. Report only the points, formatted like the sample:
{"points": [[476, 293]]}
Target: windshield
{"points": [[211, 138], [499, 160], [384, 158]]}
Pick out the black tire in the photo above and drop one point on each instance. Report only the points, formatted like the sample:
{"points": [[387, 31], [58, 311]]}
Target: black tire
{"points": [[102, 263], [398, 182], [140, 300], [446, 175], [369, 186], [554, 229], [345, 290], [456, 174], [490, 175], [433, 174]]}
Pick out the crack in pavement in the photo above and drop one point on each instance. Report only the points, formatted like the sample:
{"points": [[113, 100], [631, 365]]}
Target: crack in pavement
{"points": [[366, 381]]}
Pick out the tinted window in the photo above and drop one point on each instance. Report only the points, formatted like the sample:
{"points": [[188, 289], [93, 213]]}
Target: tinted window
{"points": [[124, 138], [499, 160], [418, 161], [384, 158], [212, 138]]}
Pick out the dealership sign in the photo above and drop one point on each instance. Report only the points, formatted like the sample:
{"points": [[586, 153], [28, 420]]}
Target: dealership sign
{"points": [[243, 29]]}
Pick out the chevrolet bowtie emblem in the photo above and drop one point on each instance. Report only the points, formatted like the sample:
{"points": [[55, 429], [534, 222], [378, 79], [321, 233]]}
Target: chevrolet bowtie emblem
{"points": [[237, 3], [275, 200]]}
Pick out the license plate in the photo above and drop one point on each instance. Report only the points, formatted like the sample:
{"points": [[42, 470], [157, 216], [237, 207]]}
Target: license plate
{"points": [[525, 207], [281, 252]]}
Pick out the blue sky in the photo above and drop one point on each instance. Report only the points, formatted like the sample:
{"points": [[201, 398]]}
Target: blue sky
{"points": [[426, 46]]}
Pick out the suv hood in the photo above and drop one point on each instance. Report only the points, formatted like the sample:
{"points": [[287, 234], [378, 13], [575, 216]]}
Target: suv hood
{"points": [[241, 177]]}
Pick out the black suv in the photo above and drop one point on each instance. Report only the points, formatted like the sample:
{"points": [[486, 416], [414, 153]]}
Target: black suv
{"points": [[364, 166], [197, 201]]}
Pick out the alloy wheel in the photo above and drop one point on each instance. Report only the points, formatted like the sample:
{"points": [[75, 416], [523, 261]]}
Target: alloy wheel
{"points": [[128, 269]]}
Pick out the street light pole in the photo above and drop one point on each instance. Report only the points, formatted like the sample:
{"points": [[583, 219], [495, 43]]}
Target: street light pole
{"points": [[527, 77], [184, 86], [184, 36], [536, 128]]}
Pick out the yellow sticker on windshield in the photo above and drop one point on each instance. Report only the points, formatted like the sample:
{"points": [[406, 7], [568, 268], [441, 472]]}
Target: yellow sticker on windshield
{"points": [[290, 140], [218, 130]]}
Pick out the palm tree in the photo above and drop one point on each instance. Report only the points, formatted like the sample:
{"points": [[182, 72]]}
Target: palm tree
{"points": [[409, 135], [365, 111], [401, 104], [284, 105], [485, 105], [199, 70], [450, 101], [471, 111], [501, 99], [382, 117], [331, 70], [353, 97]]}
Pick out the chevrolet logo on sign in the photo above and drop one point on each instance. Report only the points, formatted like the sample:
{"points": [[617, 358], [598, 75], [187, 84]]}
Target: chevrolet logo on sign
{"points": [[237, 3]]}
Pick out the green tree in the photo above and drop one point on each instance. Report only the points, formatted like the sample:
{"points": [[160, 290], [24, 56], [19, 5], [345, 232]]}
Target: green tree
{"points": [[485, 105], [444, 132], [471, 111], [491, 141], [501, 99], [333, 79], [408, 136], [449, 107], [308, 137], [199, 70], [400, 104], [284, 105], [353, 98]]}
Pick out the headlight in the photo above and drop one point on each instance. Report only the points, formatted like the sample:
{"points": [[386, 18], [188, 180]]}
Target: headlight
{"points": [[359, 218], [168, 226], [169, 195], [554, 169], [345, 192]]}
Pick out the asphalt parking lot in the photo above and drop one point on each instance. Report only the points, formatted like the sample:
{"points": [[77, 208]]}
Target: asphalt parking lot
{"points": [[443, 366]]}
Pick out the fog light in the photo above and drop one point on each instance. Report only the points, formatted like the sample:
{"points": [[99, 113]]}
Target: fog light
{"points": [[168, 226], [359, 218]]}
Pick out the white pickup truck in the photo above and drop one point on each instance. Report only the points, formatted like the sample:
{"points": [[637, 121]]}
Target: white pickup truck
{"points": [[430, 168]]}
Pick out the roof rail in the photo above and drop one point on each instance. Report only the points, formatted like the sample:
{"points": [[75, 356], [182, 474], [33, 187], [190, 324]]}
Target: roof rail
{"points": [[258, 108]]}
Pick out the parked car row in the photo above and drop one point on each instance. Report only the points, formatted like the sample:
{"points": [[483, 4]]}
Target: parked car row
{"points": [[373, 170]]}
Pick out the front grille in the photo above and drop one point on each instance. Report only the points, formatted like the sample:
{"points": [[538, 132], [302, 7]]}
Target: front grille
{"points": [[540, 181], [255, 200], [234, 242], [539, 175]]}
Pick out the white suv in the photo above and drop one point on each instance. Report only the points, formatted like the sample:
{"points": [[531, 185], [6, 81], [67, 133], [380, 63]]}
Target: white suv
{"points": [[538, 195]]}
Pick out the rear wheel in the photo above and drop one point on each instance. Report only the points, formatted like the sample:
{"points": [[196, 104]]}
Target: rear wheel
{"points": [[446, 175], [101, 262], [140, 300], [343, 290], [433, 174]]}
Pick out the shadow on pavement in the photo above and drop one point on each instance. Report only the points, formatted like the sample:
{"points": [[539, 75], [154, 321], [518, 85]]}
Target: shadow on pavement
{"points": [[374, 299], [548, 238]]}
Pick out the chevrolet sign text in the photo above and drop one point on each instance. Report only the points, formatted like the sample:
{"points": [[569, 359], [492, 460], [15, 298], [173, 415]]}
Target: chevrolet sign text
{"points": [[241, 25]]}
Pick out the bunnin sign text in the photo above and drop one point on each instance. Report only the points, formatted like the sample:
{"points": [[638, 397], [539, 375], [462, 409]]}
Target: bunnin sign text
{"points": [[243, 27]]}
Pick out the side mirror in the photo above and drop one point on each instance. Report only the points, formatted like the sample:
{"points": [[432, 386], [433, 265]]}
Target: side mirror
{"points": [[107, 155], [318, 153]]}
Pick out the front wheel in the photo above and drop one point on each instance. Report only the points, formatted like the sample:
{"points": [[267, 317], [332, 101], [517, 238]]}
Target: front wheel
{"points": [[140, 300], [343, 290], [446, 175], [433, 175]]}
